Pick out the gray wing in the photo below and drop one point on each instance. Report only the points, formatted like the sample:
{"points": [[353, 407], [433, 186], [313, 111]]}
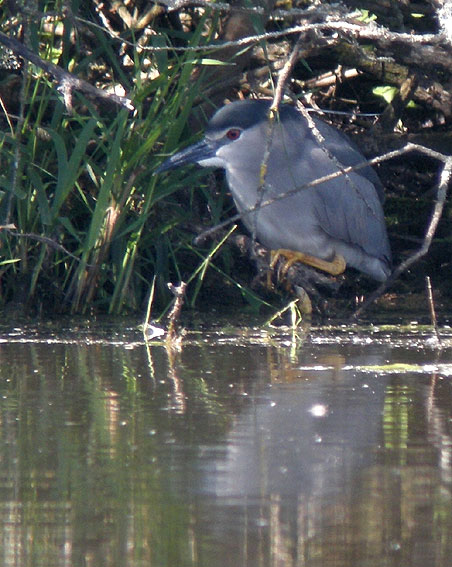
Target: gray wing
{"points": [[348, 208], [348, 154]]}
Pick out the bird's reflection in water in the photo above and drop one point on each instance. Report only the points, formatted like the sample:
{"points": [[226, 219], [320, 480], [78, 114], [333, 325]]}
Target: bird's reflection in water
{"points": [[293, 457]]}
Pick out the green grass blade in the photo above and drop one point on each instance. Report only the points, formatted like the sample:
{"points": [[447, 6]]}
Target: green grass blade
{"points": [[68, 171], [105, 191]]}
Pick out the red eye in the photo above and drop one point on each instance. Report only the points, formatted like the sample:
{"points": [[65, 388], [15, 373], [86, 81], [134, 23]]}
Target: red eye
{"points": [[233, 134]]}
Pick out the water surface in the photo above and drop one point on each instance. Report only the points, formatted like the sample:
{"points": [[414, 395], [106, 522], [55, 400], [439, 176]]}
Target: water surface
{"points": [[240, 449]]}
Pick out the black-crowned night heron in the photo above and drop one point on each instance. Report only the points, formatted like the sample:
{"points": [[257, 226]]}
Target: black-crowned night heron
{"points": [[336, 223]]}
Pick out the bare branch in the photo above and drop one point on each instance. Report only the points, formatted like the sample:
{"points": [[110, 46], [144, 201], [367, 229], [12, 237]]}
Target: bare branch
{"points": [[67, 81], [173, 5], [369, 31], [44, 239], [445, 179], [174, 316]]}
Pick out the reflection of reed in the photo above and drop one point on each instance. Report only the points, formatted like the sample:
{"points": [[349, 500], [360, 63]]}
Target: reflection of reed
{"points": [[177, 399], [438, 422], [112, 409], [284, 368]]}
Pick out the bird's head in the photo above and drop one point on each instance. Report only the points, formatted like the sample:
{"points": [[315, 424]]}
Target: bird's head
{"points": [[230, 133]]}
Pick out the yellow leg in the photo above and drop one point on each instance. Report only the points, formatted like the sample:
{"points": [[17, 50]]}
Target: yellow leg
{"points": [[335, 267]]}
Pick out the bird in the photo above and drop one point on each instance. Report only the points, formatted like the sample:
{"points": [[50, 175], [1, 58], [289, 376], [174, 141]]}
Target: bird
{"points": [[331, 225]]}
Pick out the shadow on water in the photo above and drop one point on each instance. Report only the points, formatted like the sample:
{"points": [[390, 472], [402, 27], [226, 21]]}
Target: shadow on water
{"points": [[238, 450]]}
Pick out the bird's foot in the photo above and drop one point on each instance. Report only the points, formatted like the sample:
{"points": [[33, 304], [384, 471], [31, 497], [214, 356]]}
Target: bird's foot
{"points": [[333, 267]]}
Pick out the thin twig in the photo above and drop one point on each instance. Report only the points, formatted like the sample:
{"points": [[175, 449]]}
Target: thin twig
{"points": [[322, 144], [44, 239], [283, 77], [431, 307]]}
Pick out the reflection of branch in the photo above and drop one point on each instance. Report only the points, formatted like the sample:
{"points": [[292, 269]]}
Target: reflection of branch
{"points": [[67, 81]]}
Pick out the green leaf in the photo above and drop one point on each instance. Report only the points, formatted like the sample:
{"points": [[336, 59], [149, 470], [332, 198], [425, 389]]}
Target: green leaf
{"points": [[387, 92], [41, 196], [207, 61], [68, 171]]}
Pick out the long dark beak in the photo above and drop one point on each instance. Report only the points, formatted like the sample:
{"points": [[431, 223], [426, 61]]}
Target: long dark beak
{"points": [[204, 149]]}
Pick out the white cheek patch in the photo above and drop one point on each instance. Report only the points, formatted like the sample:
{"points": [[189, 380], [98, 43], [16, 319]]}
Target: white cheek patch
{"points": [[214, 161]]}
